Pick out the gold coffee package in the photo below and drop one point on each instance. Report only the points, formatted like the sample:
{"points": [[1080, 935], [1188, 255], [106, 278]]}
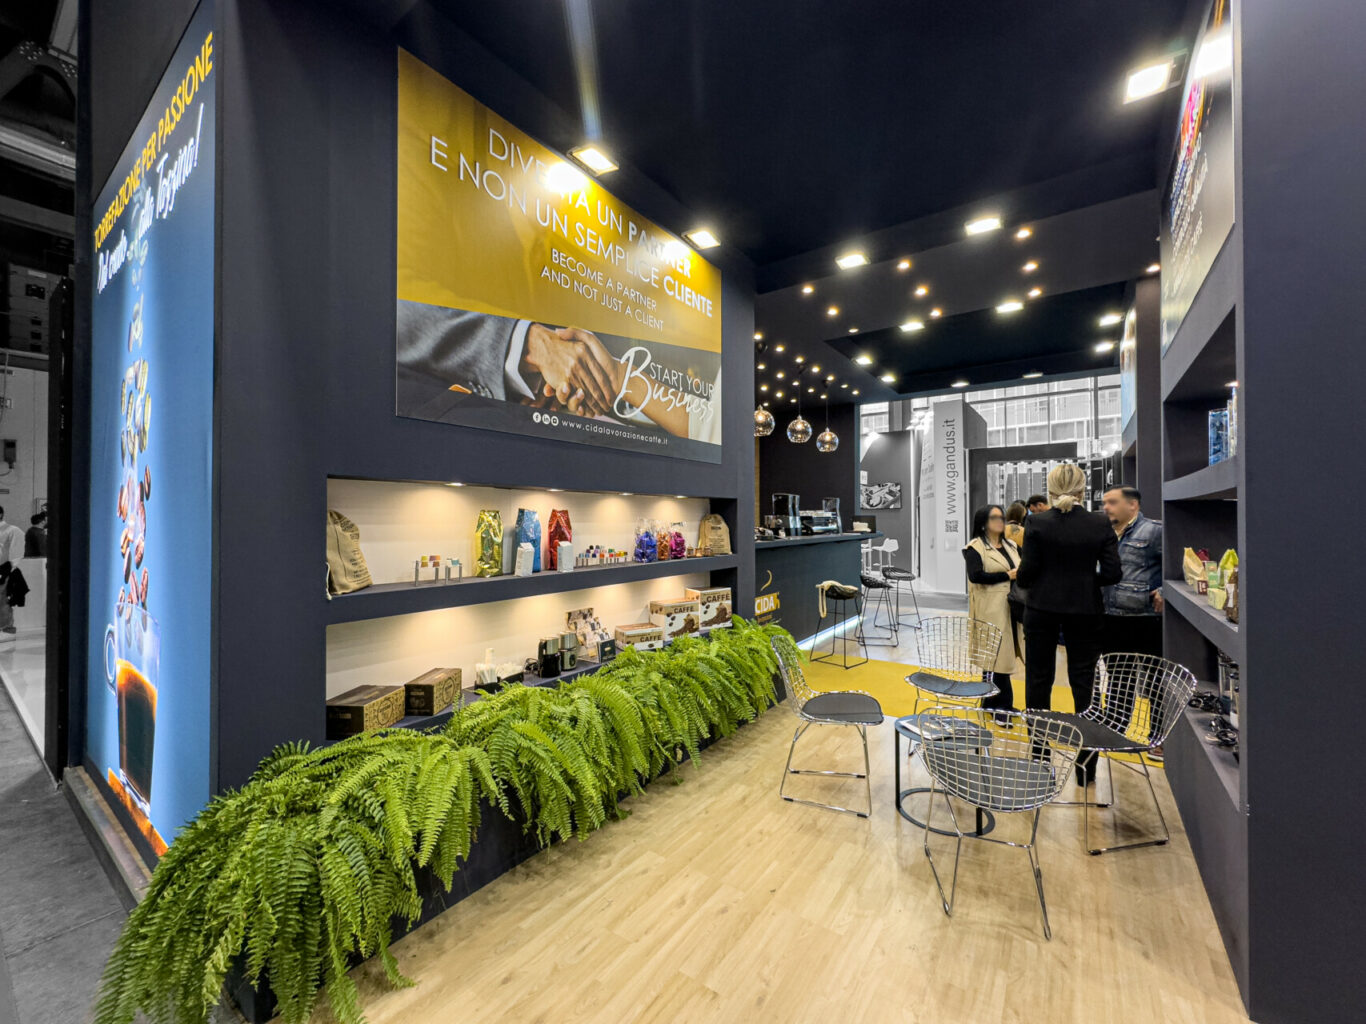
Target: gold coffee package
{"points": [[488, 543]]}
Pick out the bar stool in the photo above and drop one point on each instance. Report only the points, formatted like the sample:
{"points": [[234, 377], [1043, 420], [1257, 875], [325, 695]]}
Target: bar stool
{"points": [[877, 600], [841, 595], [896, 577]]}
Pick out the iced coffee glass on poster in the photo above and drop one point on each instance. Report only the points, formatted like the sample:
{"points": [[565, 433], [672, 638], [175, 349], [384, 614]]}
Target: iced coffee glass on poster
{"points": [[132, 658]]}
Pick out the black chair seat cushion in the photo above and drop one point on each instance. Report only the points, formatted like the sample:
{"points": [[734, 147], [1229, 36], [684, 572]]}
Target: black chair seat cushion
{"points": [[962, 689], [841, 592], [1095, 736], [871, 582], [855, 708], [996, 783], [891, 572]]}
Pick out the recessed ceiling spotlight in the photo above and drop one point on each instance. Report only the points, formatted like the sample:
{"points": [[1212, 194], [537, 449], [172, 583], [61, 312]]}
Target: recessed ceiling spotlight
{"points": [[815, 368], [779, 348], [853, 330], [763, 387], [829, 377], [845, 385], [903, 265], [913, 325], [594, 159], [1104, 346], [855, 391], [936, 313], [864, 360], [921, 291], [800, 360], [758, 335], [1153, 268], [833, 311], [1034, 293], [777, 394], [1023, 233], [850, 260], [1147, 81], [887, 378], [1032, 374], [982, 225], [1110, 319], [1010, 306], [780, 375], [959, 384], [761, 366], [794, 398], [824, 396], [1030, 267], [810, 391], [702, 238], [808, 289]]}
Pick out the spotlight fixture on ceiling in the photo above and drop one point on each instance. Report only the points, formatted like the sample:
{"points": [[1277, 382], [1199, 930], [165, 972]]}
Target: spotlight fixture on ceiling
{"points": [[779, 348], [1030, 267], [1023, 233], [816, 368], [777, 394], [855, 391], [702, 238], [903, 265], [1034, 293], [853, 330], [982, 225], [763, 387], [888, 378], [780, 375], [913, 325], [936, 313], [850, 260], [829, 377], [1110, 319], [810, 391], [1102, 347], [1148, 80], [921, 291], [960, 383], [1153, 268], [864, 360], [594, 159], [1032, 374], [800, 360], [833, 311], [761, 366], [807, 289], [1010, 306], [845, 385], [758, 335]]}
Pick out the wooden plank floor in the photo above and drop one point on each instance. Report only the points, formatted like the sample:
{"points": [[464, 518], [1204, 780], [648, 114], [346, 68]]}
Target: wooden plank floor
{"points": [[716, 901]]}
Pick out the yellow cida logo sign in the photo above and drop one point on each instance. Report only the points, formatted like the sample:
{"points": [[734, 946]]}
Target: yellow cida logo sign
{"points": [[766, 604]]}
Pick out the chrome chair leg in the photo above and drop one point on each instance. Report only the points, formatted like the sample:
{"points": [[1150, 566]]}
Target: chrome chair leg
{"points": [[1083, 802], [1033, 851], [945, 901], [1096, 851], [789, 770]]}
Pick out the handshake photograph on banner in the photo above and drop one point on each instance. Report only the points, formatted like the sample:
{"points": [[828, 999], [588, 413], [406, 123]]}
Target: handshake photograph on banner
{"points": [[447, 353]]}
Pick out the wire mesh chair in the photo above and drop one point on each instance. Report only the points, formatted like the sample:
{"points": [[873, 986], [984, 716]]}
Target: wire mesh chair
{"points": [[1023, 767], [955, 654], [842, 707], [1136, 700]]}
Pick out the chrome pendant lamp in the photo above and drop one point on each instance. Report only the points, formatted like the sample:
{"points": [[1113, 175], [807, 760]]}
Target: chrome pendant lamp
{"points": [[763, 422], [827, 440], [799, 431]]}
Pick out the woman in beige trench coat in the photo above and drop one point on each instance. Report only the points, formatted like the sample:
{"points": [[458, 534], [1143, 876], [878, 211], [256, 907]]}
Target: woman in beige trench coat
{"points": [[992, 562]]}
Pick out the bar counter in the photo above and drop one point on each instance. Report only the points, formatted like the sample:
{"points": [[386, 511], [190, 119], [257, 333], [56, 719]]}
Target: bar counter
{"points": [[788, 570]]}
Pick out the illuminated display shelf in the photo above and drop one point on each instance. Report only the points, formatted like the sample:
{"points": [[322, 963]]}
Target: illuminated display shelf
{"points": [[387, 599]]}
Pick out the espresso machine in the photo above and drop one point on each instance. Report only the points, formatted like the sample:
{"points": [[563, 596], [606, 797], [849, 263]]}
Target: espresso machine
{"points": [[786, 516], [569, 652], [548, 657]]}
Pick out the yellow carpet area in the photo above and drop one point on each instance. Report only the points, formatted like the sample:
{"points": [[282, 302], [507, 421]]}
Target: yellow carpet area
{"points": [[886, 682]]}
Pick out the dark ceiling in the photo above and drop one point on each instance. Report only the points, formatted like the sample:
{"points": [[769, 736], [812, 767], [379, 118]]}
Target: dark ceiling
{"points": [[797, 126]]}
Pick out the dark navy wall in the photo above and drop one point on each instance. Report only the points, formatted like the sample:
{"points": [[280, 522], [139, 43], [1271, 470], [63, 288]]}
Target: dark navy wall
{"points": [[800, 469], [306, 373]]}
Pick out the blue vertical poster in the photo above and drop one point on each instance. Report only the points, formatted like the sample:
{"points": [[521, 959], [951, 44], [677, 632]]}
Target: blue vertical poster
{"points": [[151, 534]]}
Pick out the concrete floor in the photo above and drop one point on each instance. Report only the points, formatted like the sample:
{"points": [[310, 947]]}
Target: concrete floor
{"points": [[59, 914]]}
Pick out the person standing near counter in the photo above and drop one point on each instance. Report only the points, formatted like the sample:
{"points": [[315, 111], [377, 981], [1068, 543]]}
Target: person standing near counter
{"points": [[993, 562], [1069, 554]]}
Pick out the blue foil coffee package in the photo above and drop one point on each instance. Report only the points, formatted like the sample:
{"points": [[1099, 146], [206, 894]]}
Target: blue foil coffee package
{"points": [[529, 532]]}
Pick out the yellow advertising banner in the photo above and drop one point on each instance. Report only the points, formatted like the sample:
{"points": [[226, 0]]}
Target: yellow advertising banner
{"points": [[530, 300], [490, 220]]}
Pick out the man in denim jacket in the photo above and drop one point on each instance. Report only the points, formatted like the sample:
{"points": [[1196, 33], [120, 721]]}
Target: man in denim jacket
{"points": [[1133, 606]]}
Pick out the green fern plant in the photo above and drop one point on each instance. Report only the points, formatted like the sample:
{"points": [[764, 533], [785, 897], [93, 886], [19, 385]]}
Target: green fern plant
{"points": [[302, 871]]}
